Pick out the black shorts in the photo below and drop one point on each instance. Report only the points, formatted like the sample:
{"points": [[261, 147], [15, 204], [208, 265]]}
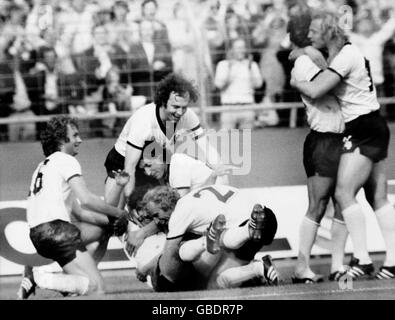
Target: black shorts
{"points": [[114, 161], [369, 133], [321, 153], [57, 240], [249, 249]]}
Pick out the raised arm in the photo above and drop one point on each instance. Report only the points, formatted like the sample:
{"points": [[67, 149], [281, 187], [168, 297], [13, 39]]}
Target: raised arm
{"points": [[132, 158]]}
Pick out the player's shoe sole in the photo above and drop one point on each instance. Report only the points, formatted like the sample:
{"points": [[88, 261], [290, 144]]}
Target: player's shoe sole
{"points": [[256, 222], [28, 285], [214, 234], [269, 271]]}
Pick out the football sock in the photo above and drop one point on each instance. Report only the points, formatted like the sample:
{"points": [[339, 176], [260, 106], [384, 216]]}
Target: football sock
{"points": [[386, 220], [62, 282], [339, 234], [234, 238], [192, 249], [307, 234], [356, 225], [233, 277]]}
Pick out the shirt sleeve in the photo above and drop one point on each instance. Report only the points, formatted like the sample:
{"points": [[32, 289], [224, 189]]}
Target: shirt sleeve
{"points": [[305, 69], [191, 124], [139, 132], [180, 173], [180, 220], [343, 63], [70, 168]]}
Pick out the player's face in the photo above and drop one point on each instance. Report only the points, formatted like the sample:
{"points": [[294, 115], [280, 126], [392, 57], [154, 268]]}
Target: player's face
{"points": [[154, 168], [160, 216], [176, 107], [316, 35], [71, 147]]}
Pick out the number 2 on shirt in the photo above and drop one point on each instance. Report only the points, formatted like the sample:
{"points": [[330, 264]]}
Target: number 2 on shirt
{"points": [[216, 193]]}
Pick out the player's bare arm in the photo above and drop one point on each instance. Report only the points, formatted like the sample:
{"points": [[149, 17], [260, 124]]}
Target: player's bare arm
{"points": [[322, 84], [114, 194], [89, 216], [91, 201], [132, 158]]}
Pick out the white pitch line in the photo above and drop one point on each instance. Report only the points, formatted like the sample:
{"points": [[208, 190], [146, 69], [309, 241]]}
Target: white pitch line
{"points": [[301, 293]]}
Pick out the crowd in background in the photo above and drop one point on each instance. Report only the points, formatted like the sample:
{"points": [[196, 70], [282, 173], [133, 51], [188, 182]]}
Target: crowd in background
{"points": [[89, 56]]}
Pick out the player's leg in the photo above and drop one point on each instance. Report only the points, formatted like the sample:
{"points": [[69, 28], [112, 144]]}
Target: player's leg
{"points": [[319, 190], [262, 270], [354, 170], [95, 239], [339, 234], [61, 241], [376, 194], [255, 229]]}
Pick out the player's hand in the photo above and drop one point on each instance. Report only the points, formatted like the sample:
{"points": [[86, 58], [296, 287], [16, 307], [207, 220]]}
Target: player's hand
{"points": [[293, 80], [295, 53], [120, 225], [141, 276], [134, 240], [121, 177], [224, 169], [316, 56]]}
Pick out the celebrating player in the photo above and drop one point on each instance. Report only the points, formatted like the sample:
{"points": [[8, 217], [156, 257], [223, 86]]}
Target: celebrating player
{"points": [[56, 185], [365, 143], [321, 154]]}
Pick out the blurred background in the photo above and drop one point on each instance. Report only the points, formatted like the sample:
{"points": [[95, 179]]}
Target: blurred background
{"points": [[100, 60]]}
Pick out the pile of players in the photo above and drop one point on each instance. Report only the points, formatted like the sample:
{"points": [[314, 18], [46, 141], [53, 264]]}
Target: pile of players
{"points": [[202, 228]]}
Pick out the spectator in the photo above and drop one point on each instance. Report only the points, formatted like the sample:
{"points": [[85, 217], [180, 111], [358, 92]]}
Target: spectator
{"points": [[237, 77], [75, 27], [183, 42], [371, 40], [149, 11], [150, 61], [113, 97], [122, 31]]}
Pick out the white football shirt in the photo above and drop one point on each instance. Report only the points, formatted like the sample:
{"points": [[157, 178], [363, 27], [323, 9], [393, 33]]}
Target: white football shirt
{"points": [[50, 195], [195, 211], [187, 173], [145, 126], [323, 114], [356, 92]]}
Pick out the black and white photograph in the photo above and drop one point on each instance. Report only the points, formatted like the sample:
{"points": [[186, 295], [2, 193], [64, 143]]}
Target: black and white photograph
{"points": [[197, 155]]}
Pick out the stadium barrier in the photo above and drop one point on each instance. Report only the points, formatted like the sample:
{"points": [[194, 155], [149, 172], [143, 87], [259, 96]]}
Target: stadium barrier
{"points": [[16, 249], [203, 111]]}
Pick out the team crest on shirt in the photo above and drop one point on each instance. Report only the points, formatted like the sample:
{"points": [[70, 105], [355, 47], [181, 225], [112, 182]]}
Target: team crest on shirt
{"points": [[347, 143]]}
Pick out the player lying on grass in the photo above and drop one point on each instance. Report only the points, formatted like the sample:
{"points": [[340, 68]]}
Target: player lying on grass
{"points": [[249, 226], [56, 185]]}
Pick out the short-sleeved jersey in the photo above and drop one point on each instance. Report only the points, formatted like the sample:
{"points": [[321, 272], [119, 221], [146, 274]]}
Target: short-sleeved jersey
{"points": [[323, 114], [195, 211], [145, 127], [50, 195], [356, 92], [187, 173]]}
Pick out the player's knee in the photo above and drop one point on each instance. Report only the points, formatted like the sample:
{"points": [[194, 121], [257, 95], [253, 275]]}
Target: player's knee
{"points": [[316, 209], [95, 286], [343, 194]]}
